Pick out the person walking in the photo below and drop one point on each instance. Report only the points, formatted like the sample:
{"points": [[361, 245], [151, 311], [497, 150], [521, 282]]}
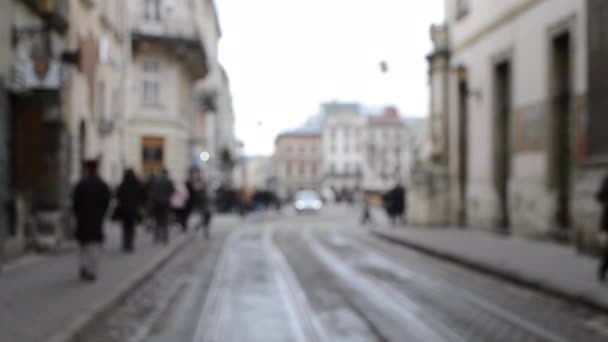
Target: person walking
{"points": [[91, 198], [159, 194], [179, 205], [602, 198], [366, 216], [130, 196], [394, 202]]}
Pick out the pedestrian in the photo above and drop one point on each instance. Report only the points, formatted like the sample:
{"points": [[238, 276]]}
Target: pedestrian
{"points": [[602, 198], [367, 215], [394, 202], [159, 194], [91, 198], [194, 184], [179, 205], [205, 210], [130, 197]]}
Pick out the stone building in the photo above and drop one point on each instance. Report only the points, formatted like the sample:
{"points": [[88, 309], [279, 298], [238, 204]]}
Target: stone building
{"points": [[215, 120], [521, 117], [168, 57], [94, 98], [343, 146], [33, 114], [388, 149], [429, 193], [298, 163]]}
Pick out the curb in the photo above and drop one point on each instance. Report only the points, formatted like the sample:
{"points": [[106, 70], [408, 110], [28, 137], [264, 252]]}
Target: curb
{"points": [[502, 274], [74, 332]]}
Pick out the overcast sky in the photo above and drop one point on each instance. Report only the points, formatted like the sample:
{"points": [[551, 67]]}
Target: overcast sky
{"points": [[285, 57]]}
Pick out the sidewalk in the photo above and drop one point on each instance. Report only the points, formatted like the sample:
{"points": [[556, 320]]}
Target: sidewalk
{"points": [[545, 266], [43, 299]]}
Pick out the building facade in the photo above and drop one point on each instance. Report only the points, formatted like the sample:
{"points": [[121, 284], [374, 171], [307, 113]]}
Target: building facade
{"points": [[298, 162], [33, 161], [429, 193], [168, 57], [215, 133], [387, 151], [343, 136], [524, 121], [94, 99]]}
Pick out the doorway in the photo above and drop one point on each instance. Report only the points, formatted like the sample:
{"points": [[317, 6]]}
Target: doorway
{"points": [[463, 146], [502, 107], [153, 151], [561, 145]]}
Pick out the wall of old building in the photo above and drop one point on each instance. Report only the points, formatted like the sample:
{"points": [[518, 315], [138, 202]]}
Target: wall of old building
{"points": [[488, 35]]}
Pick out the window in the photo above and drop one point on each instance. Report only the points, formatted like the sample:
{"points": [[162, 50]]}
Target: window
{"points": [[462, 8], [346, 149], [115, 103], [151, 78], [152, 9], [101, 100], [313, 169], [302, 169], [288, 169]]}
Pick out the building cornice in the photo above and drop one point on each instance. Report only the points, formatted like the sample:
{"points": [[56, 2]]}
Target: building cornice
{"points": [[512, 14]]}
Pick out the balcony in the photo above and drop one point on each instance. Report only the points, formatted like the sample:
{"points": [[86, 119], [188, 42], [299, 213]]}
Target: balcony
{"points": [[180, 37]]}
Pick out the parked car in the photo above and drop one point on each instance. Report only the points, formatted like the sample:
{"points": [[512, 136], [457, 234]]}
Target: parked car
{"points": [[307, 201]]}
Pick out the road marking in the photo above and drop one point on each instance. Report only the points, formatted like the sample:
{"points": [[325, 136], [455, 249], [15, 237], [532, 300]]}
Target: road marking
{"points": [[309, 324], [211, 319], [416, 320]]}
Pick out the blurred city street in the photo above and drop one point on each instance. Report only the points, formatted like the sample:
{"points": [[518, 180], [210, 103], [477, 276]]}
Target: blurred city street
{"points": [[283, 276], [370, 170]]}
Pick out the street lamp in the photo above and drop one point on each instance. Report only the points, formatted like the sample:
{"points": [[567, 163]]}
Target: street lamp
{"points": [[204, 156]]}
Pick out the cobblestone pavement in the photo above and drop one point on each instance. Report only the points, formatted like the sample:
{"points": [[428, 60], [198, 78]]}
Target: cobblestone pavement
{"points": [[321, 278]]}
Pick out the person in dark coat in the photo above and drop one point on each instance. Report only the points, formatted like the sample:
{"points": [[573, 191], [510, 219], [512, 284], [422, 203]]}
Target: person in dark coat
{"points": [[194, 184], [91, 199], [394, 202], [159, 194], [602, 198], [130, 196]]}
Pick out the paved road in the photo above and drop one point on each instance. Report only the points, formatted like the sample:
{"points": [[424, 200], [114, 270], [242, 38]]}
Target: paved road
{"points": [[287, 277]]}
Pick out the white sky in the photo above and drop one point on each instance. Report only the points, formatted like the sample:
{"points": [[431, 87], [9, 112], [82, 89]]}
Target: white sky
{"points": [[285, 57]]}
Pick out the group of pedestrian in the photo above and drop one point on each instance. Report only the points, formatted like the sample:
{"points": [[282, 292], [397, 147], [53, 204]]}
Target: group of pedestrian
{"points": [[394, 203], [161, 199]]}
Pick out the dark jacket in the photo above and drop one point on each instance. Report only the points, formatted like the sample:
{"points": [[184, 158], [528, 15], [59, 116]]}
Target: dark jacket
{"points": [[130, 196], [160, 191], [91, 199], [395, 201], [602, 198]]}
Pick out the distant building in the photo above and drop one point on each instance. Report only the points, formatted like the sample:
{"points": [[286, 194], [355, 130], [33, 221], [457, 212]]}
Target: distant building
{"points": [[298, 163], [255, 172], [343, 146], [388, 150]]}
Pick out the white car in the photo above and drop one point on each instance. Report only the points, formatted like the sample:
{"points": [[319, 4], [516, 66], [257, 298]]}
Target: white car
{"points": [[307, 201]]}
